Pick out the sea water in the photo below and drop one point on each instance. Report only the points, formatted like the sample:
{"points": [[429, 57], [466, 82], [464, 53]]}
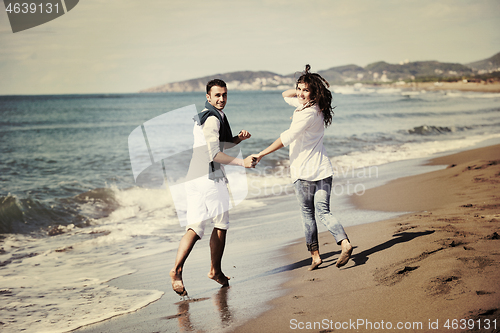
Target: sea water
{"points": [[72, 216]]}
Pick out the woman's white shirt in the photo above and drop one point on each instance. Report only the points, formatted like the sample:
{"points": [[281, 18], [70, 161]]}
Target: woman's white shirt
{"points": [[308, 159]]}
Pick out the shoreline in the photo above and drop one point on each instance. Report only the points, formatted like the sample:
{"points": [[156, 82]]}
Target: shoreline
{"points": [[436, 264], [478, 87], [484, 87]]}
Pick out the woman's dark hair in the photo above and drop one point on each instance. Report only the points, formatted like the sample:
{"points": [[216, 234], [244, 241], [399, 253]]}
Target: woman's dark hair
{"points": [[215, 82], [320, 94]]}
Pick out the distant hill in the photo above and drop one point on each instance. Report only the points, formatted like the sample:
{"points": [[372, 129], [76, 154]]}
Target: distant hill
{"points": [[244, 80], [377, 72], [489, 64], [417, 69], [345, 73]]}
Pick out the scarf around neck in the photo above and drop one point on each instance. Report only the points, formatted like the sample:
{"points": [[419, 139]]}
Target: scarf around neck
{"points": [[225, 135]]}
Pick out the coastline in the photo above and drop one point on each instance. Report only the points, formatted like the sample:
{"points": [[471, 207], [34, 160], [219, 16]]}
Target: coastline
{"points": [[484, 87], [425, 268]]}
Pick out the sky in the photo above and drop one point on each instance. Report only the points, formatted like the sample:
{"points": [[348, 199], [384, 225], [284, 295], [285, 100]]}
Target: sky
{"points": [[123, 46]]}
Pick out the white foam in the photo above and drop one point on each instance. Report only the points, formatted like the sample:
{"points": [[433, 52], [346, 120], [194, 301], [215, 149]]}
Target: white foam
{"points": [[270, 183], [142, 203], [59, 292], [454, 94], [353, 90], [387, 154], [388, 90], [58, 284], [359, 89], [483, 95], [471, 95], [410, 93]]}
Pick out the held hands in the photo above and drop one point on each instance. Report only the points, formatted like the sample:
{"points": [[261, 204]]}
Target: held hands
{"points": [[278, 144], [251, 161], [257, 158]]}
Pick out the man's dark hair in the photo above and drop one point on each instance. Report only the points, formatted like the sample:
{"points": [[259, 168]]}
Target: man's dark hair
{"points": [[217, 83]]}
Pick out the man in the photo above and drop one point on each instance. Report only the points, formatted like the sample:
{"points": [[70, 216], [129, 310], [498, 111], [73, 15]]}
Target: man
{"points": [[208, 195]]}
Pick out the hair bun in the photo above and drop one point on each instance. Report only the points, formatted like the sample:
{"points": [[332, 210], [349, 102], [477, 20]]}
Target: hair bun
{"points": [[308, 68]]}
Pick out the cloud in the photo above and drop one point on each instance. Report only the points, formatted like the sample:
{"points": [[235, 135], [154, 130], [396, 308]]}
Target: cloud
{"points": [[128, 45]]}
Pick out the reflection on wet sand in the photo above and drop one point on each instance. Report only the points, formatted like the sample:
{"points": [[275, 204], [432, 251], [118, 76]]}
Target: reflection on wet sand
{"points": [[183, 317], [220, 302]]}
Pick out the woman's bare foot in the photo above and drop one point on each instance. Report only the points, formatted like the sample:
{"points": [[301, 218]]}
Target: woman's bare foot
{"points": [[219, 278], [177, 284], [346, 253], [315, 264], [316, 260]]}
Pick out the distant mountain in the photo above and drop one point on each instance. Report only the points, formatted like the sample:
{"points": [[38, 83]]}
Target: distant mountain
{"points": [[489, 64], [244, 80], [373, 73], [412, 70], [343, 74]]}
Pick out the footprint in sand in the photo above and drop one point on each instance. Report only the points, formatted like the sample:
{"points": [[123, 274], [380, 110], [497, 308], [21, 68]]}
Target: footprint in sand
{"points": [[443, 285]]}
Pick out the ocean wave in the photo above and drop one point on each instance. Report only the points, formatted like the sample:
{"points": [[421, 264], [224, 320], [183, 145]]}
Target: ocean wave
{"points": [[30, 215], [11, 215], [100, 201], [94, 208], [69, 271], [431, 130], [471, 95], [383, 154]]}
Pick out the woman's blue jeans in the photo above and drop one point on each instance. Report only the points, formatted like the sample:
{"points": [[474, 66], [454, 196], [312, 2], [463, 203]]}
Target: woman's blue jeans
{"points": [[314, 199]]}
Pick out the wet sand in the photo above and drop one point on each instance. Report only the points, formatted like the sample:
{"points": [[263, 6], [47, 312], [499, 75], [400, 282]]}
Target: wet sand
{"points": [[422, 271], [252, 258]]}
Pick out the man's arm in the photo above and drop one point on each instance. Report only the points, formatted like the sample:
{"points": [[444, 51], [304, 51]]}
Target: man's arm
{"points": [[211, 132], [226, 159]]}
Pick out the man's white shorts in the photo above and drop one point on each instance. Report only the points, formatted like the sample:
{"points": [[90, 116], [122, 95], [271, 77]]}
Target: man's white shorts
{"points": [[207, 201]]}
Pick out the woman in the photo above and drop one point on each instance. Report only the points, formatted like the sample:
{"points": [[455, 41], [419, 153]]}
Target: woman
{"points": [[310, 167]]}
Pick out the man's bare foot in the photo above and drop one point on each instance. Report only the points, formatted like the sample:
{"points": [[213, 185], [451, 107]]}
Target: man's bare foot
{"points": [[177, 284], [315, 263], [219, 278], [346, 253]]}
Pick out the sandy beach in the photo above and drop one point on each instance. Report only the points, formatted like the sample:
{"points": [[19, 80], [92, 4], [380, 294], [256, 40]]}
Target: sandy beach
{"points": [[436, 269]]}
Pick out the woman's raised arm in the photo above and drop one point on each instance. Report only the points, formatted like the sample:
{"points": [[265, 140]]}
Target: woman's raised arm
{"points": [[289, 93]]}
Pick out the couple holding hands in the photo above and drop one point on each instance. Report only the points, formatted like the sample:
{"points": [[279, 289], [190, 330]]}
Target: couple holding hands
{"points": [[310, 169]]}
